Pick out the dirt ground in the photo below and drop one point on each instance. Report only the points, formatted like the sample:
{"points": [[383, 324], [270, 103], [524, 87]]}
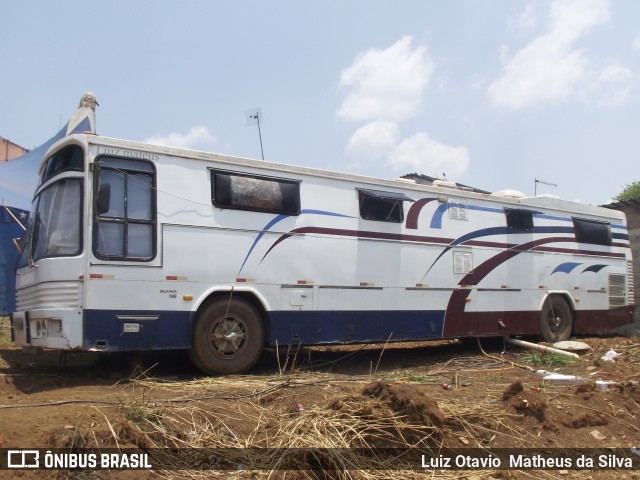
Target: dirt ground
{"points": [[429, 396]]}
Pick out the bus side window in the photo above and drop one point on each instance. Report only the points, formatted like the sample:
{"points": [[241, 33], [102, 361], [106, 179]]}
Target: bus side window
{"points": [[381, 206], [241, 191], [124, 210], [519, 219], [592, 231]]}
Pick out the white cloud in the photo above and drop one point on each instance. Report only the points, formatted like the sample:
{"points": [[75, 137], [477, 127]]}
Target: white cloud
{"points": [[636, 43], [550, 67], [386, 84], [570, 19], [614, 83], [421, 153], [373, 140], [503, 54], [385, 87], [380, 141], [198, 136], [525, 20]]}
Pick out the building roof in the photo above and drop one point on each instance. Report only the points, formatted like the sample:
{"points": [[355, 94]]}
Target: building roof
{"points": [[420, 178], [634, 202]]}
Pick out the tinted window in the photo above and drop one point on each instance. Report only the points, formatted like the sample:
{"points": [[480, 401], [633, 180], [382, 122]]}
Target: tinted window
{"points": [[250, 192], [376, 206], [519, 219], [69, 158], [592, 231]]}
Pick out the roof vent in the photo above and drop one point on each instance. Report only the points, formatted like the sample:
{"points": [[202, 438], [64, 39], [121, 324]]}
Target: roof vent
{"points": [[444, 184], [508, 193], [405, 180]]}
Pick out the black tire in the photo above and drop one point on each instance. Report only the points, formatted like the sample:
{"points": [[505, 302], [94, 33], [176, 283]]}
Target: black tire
{"points": [[556, 320], [227, 337]]}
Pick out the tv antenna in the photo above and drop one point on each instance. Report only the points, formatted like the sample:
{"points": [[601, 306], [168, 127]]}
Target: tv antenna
{"points": [[254, 116], [535, 185]]}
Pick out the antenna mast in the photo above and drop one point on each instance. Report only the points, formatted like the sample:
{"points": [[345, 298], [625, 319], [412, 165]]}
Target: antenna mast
{"points": [[253, 117], [535, 186]]}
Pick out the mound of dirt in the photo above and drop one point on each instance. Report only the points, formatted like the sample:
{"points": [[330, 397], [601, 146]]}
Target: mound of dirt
{"points": [[407, 400], [534, 409], [586, 387], [528, 405], [589, 419], [514, 389]]}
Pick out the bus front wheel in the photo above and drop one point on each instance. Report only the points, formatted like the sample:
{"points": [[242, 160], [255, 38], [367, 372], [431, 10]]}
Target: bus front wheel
{"points": [[556, 320], [228, 337]]}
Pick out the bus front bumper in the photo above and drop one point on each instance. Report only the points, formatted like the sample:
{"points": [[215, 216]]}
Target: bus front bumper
{"points": [[57, 329]]}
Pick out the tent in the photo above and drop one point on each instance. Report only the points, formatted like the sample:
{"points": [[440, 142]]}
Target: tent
{"points": [[13, 224], [18, 182], [19, 177]]}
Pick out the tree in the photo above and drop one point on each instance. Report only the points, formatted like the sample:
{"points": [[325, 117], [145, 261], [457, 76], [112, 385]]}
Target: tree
{"points": [[630, 192]]}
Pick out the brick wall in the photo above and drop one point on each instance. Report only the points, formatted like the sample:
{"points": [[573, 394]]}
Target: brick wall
{"points": [[9, 150]]}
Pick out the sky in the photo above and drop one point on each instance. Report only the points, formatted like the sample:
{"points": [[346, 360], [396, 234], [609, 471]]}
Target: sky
{"points": [[491, 93]]}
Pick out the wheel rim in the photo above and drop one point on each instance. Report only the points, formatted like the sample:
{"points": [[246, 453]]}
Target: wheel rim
{"points": [[555, 320], [228, 336]]}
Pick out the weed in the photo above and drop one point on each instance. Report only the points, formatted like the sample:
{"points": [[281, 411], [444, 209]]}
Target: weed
{"points": [[633, 355], [546, 359], [410, 376], [496, 377]]}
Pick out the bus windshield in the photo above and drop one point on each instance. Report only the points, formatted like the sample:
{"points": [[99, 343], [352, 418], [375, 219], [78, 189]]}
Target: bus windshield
{"points": [[58, 219]]}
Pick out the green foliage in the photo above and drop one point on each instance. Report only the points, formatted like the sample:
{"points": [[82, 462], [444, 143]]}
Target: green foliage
{"points": [[546, 359], [630, 192]]}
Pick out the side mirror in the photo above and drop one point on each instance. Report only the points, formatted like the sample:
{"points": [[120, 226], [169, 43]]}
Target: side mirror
{"points": [[19, 243], [104, 198]]}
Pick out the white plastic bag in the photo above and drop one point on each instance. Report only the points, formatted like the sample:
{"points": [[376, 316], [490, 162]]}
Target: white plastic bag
{"points": [[610, 356]]}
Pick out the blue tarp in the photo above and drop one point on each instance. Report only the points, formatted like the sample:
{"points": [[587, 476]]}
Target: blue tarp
{"points": [[18, 182], [13, 222], [19, 177]]}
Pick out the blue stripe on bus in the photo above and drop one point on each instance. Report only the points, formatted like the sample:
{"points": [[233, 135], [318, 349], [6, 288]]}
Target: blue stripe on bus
{"points": [[265, 229], [106, 329], [278, 219], [485, 232], [436, 220], [342, 326], [170, 329], [566, 267]]}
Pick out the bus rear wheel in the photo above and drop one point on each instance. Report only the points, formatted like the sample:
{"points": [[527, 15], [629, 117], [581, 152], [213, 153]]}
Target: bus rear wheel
{"points": [[228, 337], [556, 320]]}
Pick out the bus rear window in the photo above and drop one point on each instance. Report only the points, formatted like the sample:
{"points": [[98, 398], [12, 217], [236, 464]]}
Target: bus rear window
{"points": [[592, 231]]}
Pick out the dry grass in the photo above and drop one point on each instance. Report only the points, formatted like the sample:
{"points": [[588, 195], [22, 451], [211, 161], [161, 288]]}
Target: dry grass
{"points": [[230, 415]]}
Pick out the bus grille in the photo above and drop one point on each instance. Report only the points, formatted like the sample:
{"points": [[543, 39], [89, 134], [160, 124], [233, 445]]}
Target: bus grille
{"points": [[50, 295], [632, 284], [617, 297]]}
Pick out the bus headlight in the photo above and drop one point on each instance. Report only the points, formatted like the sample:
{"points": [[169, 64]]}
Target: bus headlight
{"points": [[40, 330]]}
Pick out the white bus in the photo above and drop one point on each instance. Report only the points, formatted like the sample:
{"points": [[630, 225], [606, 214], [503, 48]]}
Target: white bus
{"points": [[139, 247]]}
